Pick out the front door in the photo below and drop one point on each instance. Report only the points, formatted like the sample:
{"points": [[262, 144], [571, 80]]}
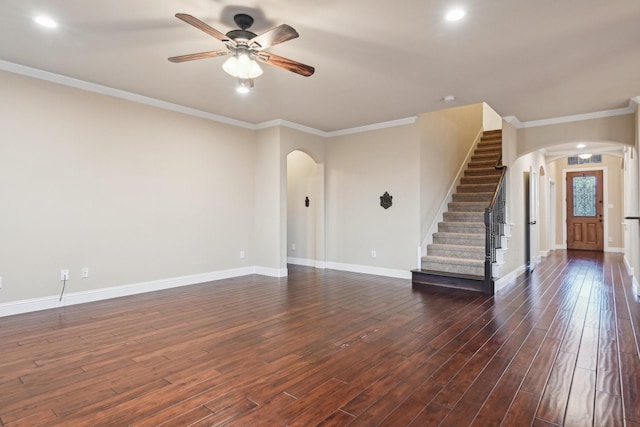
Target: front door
{"points": [[584, 211]]}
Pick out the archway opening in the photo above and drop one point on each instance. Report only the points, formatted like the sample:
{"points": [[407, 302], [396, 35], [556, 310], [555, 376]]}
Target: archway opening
{"points": [[304, 196]]}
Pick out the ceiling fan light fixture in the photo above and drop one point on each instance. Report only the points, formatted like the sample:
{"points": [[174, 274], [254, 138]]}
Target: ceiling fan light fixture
{"points": [[242, 67], [244, 85], [455, 15], [45, 21]]}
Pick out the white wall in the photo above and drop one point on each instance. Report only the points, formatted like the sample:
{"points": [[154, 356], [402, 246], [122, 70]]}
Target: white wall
{"points": [[132, 192], [632, 206]]}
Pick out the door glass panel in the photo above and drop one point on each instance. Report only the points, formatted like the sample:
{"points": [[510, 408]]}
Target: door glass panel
{"points": [[584, 196]]}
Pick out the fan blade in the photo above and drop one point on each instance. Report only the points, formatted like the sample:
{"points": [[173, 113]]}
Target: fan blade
{"points": [[273, 37], [287, 64], [204, 27], [201, 55]]}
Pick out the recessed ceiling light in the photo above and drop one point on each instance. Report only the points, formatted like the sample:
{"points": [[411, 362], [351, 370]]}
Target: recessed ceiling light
{"points": [[449, 98], [45, 21], [455, 14], [581, 146]]}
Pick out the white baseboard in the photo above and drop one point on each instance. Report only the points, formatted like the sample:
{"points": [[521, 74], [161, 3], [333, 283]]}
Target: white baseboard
{"points": [[365, 269], [305, 262], [506, 280], [271, 272], [614, 250], [561, 247], [45, 303], [630, 271]]}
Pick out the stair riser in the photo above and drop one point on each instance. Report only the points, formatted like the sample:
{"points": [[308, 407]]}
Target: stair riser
{"points": [[481, 164], [472, 197], [461, 227], [492, 171], [463, 240], [467, 207], [434, 250], [489, 155], [476, 188], [463, 216], [492, 161], [480, 179], [452, 268], [488, 148]]}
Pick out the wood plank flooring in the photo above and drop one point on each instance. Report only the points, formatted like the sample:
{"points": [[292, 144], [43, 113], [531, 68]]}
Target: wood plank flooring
{"points": [[322, 347]]}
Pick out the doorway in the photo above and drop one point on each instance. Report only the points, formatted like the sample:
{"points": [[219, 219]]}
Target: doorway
{"points": [[305, 203], [585, 222], [531, 217]]}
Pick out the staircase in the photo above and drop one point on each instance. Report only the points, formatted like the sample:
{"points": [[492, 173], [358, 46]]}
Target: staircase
{"points": [[456, 258]]}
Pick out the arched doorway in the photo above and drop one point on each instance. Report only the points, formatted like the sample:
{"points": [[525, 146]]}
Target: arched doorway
{"points": [[305, 204]]}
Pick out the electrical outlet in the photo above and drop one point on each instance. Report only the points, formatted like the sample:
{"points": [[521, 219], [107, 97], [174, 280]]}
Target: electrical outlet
{"points": [[241, 254], [85, 272], [374, 254], [64, 274], [293, 246]]}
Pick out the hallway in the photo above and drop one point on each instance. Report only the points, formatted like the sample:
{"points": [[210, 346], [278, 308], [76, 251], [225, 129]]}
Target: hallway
{"points": [[322, 346]]}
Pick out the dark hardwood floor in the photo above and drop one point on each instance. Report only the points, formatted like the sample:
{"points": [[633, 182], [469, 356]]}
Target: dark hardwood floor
{"points": [[559, 347]]}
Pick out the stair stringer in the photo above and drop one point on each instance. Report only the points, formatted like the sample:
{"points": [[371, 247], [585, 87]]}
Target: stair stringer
{"points": [[439, 217], [501, 251]]}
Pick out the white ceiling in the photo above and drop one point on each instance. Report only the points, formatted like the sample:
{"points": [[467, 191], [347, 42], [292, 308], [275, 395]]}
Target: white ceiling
{"points": [[375, 61]]}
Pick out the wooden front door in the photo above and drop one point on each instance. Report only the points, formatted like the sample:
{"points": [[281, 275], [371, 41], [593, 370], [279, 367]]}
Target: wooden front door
{"points": [[584, 210]]}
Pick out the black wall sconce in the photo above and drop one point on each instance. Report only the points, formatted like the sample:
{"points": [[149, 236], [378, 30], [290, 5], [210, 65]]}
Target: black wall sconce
{"points": [[386, 200], [306, 201]]}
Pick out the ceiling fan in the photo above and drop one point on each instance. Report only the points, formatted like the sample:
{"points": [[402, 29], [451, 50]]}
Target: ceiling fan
{"points": [[246, 48]]}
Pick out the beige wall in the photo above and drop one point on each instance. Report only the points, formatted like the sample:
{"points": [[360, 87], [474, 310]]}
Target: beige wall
{"points": [[446, 137], [359, 169], [139, 194], [617, 129], [269, 173], [518, 172], [132, 192]]}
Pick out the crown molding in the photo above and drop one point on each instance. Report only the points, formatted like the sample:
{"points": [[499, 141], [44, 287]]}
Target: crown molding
{"points": [[631, 109], [513, 120], [375, 126], [117, 93], [290, 125], [141, 99]]}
